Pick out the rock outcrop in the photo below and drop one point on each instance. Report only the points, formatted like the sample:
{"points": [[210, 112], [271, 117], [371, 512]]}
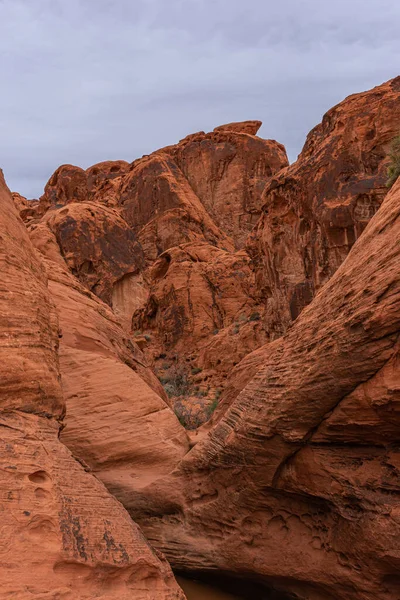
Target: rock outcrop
{"points": [[318, 207], [119, 423], [294, 331], [185, 209], [63, 534], [298, 483], [97, 244]]}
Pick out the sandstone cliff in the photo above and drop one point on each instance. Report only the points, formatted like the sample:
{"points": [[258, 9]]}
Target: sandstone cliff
{"points": [[298, 482], [63, 534], [160, 241], [318, 207], [292, 330]]}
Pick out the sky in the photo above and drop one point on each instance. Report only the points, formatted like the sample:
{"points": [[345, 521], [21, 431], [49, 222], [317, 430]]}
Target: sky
{"points": [[83, 81]]}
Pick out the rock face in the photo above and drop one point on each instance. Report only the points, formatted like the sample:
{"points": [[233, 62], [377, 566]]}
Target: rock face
{"points": [[298, 483], [318, 207], [108, 387], [294, 480], [204, 294], [97, 244], [63, 534], [118, 422], [228, 170], [188, 206]]}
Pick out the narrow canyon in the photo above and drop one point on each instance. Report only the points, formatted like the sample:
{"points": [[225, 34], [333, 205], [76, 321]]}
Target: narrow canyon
{"points": [[200, 367]]}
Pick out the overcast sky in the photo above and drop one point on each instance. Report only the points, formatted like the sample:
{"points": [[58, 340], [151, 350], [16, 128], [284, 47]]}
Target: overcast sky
{"points": [[88, 80]]}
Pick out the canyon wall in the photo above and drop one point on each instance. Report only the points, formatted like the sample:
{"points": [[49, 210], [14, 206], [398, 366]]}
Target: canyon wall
{"points": [[63, 534], [261, 294], [298, 483]]}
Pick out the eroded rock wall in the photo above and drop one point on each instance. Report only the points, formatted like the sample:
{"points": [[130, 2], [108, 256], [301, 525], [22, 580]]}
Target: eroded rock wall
{"points": [[298, 481], [63, 534]]}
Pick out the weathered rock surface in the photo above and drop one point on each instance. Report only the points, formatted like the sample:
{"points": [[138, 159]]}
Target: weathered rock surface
{"points": [[298, 483], [116, 225], [97, 244], [318, 207], [294, 481], [203, 294], [63, 535], [162, 209], [228, 170], [118, 421]]}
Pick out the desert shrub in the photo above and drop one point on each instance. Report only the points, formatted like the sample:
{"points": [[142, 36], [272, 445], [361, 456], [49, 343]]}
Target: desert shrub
{"points": [[188, 418], [170, 389], [176, 383], [211, 408], [147, 337], [255, 316], [235, 329], [393, 171], [196, 370], [216, 331]]}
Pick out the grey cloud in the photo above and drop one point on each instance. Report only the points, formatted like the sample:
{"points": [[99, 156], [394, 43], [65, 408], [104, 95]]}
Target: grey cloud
{"points": [[89, 80]]}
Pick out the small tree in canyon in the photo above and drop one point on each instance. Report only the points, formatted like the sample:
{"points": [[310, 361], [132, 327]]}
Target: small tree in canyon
{"points": [[394, 165]]}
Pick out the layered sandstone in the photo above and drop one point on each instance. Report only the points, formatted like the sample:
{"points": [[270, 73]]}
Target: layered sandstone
{"points": [[294, 481], [318, 207], [188, 206], [118, 421], [63, 534], [298, 482]]}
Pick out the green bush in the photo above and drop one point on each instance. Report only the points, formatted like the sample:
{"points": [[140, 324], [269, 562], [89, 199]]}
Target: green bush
{"points": [[393, 171], [196, 370], [255, 316], [212, 407], [176, 383]]}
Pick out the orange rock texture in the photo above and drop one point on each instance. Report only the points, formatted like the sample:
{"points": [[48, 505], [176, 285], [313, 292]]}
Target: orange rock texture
{"points": [[217, 240], [298, 482], [318, 207], [264, 295], [63, 534], [161, 241]]}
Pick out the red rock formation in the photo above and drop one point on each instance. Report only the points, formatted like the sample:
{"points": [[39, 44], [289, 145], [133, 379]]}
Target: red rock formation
{"points": [[97, 244], [295, 480], [118, 422], [108, 386], [315, 209], [63, 535], [162, 208], [114, 220], [202, 294], [228, 170], [250, 127], [298, 483]]}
